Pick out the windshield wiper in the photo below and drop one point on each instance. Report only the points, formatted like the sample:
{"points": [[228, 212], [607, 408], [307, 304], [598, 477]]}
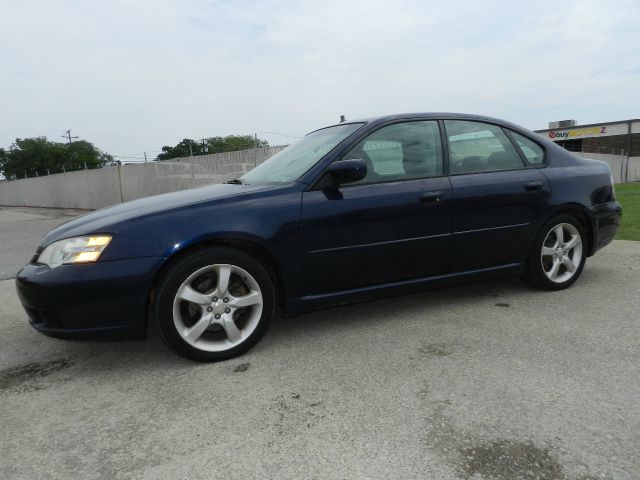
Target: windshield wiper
{"points": [[237, 181]]}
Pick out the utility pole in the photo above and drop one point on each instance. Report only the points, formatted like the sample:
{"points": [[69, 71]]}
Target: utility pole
{"points": [[68, 136], [145, 157], [190, 149], [255, 149]]}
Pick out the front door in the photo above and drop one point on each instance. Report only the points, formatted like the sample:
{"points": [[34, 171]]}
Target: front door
{"points": [[391, 226]]}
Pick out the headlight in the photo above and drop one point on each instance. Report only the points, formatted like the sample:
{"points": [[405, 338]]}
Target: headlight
{"points": [[74, 250]]}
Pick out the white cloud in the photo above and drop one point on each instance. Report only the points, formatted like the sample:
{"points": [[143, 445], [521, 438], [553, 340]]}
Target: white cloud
{"points": [[150, 73]]}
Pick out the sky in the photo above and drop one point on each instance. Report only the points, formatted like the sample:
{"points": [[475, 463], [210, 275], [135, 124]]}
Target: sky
{"points": [[132, 76]]}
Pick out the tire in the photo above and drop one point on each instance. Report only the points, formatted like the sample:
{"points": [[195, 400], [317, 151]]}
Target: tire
{"points": [[213, 304], [569, 259]]}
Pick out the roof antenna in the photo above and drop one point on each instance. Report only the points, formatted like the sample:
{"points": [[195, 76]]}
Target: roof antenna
{"points": [[342, 119]]}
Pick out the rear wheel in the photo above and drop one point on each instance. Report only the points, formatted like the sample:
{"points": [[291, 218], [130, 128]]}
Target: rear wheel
{"points": [[214, 303], [558, 254]]}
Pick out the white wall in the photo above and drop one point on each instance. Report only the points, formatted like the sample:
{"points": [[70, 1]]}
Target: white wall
{"points": [[624, 169], [93, 189], [86, 189]]}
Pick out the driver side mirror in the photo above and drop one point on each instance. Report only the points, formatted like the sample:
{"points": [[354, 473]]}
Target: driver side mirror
{"points": [[345, 171]]}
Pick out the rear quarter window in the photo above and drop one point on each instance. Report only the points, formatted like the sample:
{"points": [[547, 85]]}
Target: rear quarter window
{"points": [[531, 150]]}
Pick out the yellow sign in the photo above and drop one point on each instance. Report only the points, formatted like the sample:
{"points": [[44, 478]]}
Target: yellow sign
{"points": [[578, 132]]}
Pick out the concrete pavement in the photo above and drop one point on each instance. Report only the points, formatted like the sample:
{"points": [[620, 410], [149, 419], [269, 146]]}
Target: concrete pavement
{"points": [[20, 233], [490, 380]]}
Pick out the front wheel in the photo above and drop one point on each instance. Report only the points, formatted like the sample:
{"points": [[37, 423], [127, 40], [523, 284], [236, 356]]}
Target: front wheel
{"points": [[214, 304], [558, 254]]}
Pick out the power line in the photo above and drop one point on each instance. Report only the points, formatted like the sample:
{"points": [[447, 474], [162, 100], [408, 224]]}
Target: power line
{"points": [[126, 136], [278, 133], [138, 153]]}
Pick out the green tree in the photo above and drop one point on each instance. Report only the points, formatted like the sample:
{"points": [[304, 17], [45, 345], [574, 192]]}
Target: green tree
{"points": [[180, 150], [230, 143], [82, 152], [31, 156]]}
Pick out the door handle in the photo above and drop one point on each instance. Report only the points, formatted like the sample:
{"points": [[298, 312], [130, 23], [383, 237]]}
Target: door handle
{"points": [[430, 197], [533, 186]]}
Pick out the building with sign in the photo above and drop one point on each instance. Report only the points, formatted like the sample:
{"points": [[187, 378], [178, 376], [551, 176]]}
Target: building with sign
{"points": [[617, 143], [622, 137]]}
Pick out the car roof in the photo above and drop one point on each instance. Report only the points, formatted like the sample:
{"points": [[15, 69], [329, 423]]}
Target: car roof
{"points": [[430, 116]]}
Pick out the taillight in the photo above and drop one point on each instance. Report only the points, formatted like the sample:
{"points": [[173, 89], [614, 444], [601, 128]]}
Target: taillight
{"points": [[613, 186]]}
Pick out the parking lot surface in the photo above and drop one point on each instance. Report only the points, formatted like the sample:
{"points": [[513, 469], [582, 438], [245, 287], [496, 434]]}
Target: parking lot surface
{"points": [[488, 380], [20, 233]]}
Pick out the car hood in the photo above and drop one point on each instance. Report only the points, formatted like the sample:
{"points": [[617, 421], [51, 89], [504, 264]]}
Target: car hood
{"points": [[100, 221]]}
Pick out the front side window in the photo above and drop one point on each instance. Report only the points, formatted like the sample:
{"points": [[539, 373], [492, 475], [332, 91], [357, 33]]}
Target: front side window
{"points": [[294, 161], [532, 151], [401, 151], [479, 147]]}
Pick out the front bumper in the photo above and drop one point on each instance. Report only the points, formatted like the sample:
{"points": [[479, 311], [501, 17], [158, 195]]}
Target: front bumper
{"points": [[102, 300]]}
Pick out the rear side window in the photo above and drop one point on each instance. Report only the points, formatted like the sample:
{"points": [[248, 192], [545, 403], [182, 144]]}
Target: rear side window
{"points": [[532, 151], [479, 147]]}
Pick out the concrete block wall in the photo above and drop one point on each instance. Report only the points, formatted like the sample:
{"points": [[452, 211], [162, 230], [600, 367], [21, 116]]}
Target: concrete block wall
{"points": [[625, 169], [93, 189]]}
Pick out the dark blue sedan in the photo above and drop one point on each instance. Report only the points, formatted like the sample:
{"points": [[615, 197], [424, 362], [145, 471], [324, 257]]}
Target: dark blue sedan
{"points": [[351, 212]]}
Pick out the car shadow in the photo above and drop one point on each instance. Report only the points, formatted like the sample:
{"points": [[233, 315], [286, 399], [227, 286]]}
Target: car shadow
{"points": [[387, 310], [153, 356]]}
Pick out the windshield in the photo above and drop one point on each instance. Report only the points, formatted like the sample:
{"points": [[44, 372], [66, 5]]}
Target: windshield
{"points": [[292, 162]]}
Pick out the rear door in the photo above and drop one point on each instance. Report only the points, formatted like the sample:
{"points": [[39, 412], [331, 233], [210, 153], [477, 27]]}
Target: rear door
{"points": [[498, 199], [391, 226]]}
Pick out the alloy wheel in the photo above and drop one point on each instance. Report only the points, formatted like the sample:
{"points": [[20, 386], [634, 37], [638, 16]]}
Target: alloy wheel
{"points": [[561, 252], [217, 307]]}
